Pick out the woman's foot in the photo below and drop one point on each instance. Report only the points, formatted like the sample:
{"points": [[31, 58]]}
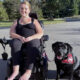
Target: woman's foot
{"points": [[26, 75], [15, 72], [12, 77]]}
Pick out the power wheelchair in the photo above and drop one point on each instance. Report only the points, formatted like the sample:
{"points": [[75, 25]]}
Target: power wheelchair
{"points": [[40, 68]]}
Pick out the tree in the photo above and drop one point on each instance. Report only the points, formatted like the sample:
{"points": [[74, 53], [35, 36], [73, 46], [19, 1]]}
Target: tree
{"points": [[3, 14], [75, 7], [36, 7], [60, 8], [12, 8], [51, 8], [79, 5], [66, 8]]}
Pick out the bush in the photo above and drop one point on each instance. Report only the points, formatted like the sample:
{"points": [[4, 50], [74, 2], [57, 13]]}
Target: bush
{"points": [[3, 13], [12, 8], [36, 8]]}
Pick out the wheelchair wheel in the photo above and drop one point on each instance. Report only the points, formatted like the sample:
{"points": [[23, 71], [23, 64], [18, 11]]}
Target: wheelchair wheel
{"points": [[42, 75], [41, 70]]}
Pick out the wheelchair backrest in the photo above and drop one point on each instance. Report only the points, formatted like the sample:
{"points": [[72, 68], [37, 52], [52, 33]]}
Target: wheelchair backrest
{"points": [[34, 15]]}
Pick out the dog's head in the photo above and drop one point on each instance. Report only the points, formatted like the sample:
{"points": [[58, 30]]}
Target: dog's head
{"points": [[61, 49]]}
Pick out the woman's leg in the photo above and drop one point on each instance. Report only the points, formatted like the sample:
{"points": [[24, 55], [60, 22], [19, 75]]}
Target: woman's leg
{"points": [[16, 54], [30, 58], [15, 72], [26, 75]]}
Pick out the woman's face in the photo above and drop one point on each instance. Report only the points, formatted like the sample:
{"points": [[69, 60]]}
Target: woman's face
{"points": [[24, 10]]}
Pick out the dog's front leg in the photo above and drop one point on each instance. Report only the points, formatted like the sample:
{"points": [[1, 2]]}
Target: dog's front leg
{"points": [[71, 74], [58, 74], [71, 77]]}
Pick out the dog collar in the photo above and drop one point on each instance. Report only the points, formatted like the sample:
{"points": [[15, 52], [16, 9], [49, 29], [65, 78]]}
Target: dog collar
{"points": [[69, 59]]}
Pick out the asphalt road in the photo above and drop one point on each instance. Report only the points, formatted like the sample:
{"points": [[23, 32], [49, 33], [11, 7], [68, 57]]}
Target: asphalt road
{"points": [[66, 32]]}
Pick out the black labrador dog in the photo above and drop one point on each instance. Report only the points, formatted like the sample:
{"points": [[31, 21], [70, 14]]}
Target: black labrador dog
{"points": [[67, 64]]}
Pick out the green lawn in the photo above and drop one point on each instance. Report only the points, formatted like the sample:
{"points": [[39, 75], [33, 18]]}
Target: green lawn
{"points": [[8, 24], [5, 24], [53, 21]]}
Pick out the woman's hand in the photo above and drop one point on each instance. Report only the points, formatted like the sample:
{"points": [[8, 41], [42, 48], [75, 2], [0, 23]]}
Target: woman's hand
{"points": [[22, 39], [28, 39]]}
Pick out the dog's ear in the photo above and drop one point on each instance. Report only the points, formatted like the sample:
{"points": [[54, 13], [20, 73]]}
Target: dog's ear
{"points": [[69, 47], [54, 46]]}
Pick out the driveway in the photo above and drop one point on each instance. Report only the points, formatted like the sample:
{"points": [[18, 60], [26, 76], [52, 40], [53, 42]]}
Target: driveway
{"points": [[66, 32]]}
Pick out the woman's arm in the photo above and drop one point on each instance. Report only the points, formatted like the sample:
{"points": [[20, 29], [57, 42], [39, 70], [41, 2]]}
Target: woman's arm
{"points": [[39, 31], [13, 32]]}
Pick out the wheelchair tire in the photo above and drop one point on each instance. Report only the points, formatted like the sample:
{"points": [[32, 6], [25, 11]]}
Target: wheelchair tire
{"points": [[42, 75], [41, 70]]}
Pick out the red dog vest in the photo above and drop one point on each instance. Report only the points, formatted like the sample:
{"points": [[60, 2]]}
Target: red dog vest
{"points": [[69, 59]]}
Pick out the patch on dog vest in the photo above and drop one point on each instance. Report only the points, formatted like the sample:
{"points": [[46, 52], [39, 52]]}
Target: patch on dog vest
{"points": [[69, 60]]}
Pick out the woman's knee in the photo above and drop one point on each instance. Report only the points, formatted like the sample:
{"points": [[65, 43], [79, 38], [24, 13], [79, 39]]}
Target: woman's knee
{"points": [[16, 44]]}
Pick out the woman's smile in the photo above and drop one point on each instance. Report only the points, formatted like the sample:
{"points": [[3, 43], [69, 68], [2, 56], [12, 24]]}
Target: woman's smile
{"points": [[24, 10]]}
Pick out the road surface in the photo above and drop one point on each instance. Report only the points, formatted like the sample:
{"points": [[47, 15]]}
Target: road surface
{"points": [[66, 32]]}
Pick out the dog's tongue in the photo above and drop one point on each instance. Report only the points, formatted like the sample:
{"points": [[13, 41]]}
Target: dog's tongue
{"points": [[59, 57]]}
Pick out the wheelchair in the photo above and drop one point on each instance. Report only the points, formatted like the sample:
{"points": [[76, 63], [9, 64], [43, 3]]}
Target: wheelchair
{"points": [[40, 68]]}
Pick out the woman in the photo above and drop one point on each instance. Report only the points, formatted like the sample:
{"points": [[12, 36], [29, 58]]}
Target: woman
{"points": [[25, 31]]}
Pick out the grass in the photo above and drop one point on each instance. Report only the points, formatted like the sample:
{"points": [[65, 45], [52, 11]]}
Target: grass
{"points": [[5, 24], [52, 21], [8, 24]]}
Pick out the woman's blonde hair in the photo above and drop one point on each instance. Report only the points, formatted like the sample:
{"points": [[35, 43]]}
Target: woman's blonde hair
{"points": [[27, 3]]}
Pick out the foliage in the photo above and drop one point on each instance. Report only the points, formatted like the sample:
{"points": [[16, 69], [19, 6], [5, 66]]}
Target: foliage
{"points": [[61, 8], [49, 9], [66, 8], [36, 7], [3, 14], [75, 7], [12, 8]]}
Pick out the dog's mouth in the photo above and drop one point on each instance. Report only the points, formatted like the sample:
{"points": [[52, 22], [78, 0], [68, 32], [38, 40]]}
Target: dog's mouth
{"points": [[59, 57]]}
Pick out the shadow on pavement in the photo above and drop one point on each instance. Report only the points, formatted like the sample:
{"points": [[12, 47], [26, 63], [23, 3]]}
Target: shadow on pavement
{"points": [[72, 19], [4, 27], [51, 74], [3, 69]]}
